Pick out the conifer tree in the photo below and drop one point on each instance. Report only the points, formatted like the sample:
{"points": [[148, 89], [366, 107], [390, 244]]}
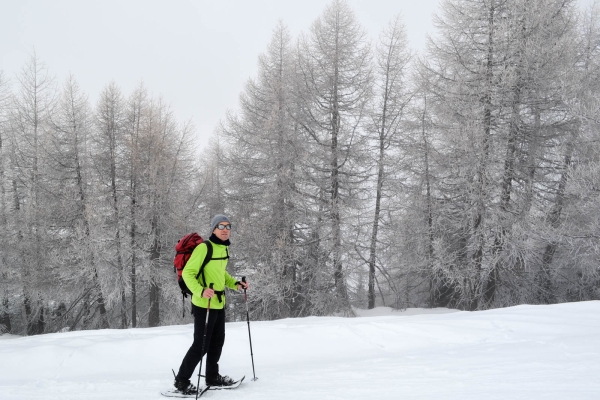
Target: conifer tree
{"points": [[334, 64]]}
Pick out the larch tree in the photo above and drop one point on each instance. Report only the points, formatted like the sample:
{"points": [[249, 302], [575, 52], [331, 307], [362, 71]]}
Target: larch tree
{"points": [[461, 70], [391, 98], [108, 157], [263, 154], [494, 80], [167, 186], [137, 107], [334, 64], [70, 167], [5, 304], [30, 116], [570, 232]]}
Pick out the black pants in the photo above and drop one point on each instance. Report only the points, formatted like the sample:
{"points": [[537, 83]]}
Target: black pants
{"points": [[215, 338]]}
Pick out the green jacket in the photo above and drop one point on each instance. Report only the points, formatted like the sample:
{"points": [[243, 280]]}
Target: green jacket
{"points": [[215, 272]]}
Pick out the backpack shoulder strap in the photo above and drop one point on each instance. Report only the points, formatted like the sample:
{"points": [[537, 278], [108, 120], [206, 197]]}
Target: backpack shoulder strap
{"points": [[223, 258], [207, 258]]}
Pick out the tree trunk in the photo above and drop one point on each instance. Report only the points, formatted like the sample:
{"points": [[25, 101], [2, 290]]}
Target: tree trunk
{"points": [[340, 282], [95, 297], [545, 280], [5, 324], [117, 219], [133, 257], [154, 314], [481, 175], [429, 206], [505, 219]]}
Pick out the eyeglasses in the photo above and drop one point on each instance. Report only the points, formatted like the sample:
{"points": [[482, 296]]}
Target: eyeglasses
{"points": [[221, 227]]}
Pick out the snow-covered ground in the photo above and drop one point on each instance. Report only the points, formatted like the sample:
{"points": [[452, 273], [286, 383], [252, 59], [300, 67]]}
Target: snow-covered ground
{"points": [[524, 352]]}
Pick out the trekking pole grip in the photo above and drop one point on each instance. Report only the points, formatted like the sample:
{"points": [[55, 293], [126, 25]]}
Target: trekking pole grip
{"points": [[208, 308]]}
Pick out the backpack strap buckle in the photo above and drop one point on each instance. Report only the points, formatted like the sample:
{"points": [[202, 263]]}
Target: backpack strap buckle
{"points": [[220, 294]]}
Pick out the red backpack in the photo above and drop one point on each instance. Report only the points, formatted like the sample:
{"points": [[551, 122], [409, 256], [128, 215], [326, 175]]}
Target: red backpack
{"points": [[183, 251]]}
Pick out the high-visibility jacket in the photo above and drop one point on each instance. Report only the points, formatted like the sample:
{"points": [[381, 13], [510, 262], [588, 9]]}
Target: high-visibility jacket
{"points": [[215, 272]]}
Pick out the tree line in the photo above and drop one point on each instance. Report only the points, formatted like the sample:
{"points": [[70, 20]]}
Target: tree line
{"points": [[362, 174], [91, 200], [356, 174]]}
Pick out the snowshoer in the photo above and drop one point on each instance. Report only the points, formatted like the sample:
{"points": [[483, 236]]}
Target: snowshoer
{"points": [[214, 273]]}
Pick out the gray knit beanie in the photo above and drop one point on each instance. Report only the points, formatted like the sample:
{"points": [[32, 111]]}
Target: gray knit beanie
{"points": [[216, 220]]}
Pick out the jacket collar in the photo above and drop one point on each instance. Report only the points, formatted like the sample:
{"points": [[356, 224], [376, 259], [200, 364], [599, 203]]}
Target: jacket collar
{"points": [[213, 238]]}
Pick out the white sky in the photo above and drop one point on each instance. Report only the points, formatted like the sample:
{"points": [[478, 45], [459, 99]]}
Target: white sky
{"points": [[197, 54]]}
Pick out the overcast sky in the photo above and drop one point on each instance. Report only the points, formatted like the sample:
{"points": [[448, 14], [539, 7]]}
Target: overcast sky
{"points": [[197, 54]]}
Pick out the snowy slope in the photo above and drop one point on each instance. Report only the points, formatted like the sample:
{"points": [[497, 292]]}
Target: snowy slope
{"points": [[525, 352]]}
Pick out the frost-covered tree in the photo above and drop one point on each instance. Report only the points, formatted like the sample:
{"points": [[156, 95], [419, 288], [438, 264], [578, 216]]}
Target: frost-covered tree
{"points": [[570, 232], [71, 180], [30, 115], [390, 100], [137, 108], [334, 65], [5, 304], [109, 162], [263, 165], [493, 74], [167, 202]]}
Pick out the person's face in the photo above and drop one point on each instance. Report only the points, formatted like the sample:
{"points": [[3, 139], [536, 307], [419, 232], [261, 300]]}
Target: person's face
{"points": [[222, 231]]}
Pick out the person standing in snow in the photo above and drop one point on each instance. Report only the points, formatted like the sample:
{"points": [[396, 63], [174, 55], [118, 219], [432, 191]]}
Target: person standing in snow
{"points": [[214, 272]]}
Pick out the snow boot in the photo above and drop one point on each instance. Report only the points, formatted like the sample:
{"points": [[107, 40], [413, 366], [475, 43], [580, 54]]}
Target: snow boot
{"points": [[219, 381], [185, 387]]}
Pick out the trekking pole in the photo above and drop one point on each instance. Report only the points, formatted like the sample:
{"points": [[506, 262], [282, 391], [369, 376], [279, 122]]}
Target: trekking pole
{"points": [[249, 335], [203, 343]]}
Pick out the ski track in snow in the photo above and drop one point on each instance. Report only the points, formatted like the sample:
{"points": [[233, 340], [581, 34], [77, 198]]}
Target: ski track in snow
{"points": [[523, 352]]}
